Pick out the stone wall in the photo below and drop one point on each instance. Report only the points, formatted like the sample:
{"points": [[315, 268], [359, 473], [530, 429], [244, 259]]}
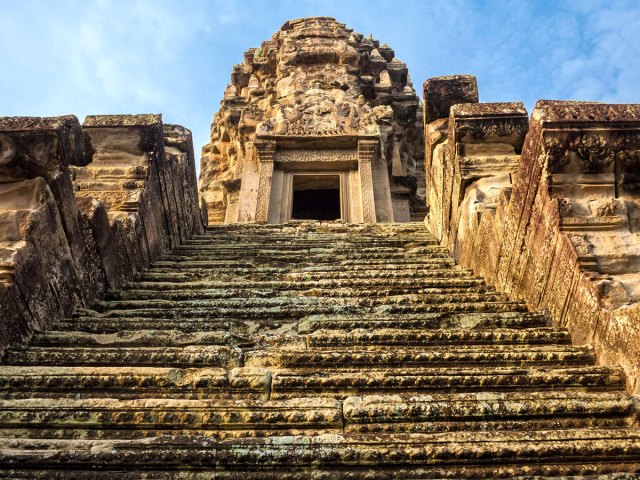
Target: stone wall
{"points": [[84, 209], [547, 211]]}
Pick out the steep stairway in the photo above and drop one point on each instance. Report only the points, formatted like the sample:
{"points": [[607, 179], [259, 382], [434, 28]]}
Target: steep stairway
{"points": [[311, 351]]}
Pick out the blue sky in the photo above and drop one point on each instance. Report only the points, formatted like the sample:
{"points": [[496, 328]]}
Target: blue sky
{"points": [[175, 57]]}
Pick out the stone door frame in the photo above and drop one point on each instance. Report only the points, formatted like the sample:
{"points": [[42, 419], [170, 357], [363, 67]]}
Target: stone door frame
{"points": [[322, 154]]}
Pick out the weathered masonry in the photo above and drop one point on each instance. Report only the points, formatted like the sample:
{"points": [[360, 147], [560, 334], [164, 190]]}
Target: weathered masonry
{"points": [[318, 114], [545, 210], [317, 333]]}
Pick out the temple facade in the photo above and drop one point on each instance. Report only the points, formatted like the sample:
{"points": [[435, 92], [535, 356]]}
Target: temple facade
{"points": [[318, 123]]}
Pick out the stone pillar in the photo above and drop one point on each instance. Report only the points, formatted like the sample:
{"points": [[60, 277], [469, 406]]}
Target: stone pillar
{"points": [[266, 153], [367, 150]]}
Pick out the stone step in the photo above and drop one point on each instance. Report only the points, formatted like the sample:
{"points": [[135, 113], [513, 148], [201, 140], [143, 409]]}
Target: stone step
{"points": [[247, 417], [375, 414], [106, 323], [329, 242], [301, 227], [318, 256], [99, 324], [287, 290], [378, 357], [301, 283], [292, 311], [159, 356], [485, 411], [444, 320], [352, 456], [145, 382], [132, 382], [288, 383], [136, 338], [421, 302], [168, 275], [453, 336]]}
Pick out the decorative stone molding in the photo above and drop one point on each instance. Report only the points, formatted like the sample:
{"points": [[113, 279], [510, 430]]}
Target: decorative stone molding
{"points": [[367, 151], [266, 153], [332, 155]]}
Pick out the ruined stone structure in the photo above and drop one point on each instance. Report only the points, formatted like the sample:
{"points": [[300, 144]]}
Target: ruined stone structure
{"points": [[551, 204], [319, 122], [138, 344], [84, 209]]}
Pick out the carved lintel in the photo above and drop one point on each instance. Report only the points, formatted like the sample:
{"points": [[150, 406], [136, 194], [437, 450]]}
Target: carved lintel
{"points": [[591, 152], [477, 122], [367, 150], [317, 155]]}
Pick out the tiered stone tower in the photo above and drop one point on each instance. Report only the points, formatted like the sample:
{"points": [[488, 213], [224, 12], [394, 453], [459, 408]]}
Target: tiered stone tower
{"points": [[318, 108], [501, 341]]}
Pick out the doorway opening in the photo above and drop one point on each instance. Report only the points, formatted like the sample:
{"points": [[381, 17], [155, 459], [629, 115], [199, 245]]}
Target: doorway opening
{"points": [[316, 197]]}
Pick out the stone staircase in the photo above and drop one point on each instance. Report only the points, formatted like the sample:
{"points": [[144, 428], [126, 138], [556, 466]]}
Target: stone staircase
{"points": [[311, 351]]}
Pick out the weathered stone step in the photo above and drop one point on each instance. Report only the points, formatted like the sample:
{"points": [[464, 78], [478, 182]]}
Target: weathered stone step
{"points": [[379, 357], [287, 290], [305, 243], [301, 283], [343, 383], [302, 227], [131, 382], [195, 309], [386, 413], [106, 323], [445, 320], [485, 411], [317, 256], [136, 338], [282, 266], [161, 356], [167, 275], [453, 336], [250, 417], [100, 324], [422, 302], [200, 270], [352, 456]]}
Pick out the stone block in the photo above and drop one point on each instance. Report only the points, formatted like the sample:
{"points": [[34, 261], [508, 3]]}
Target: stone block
{"points": [[440, 93]]}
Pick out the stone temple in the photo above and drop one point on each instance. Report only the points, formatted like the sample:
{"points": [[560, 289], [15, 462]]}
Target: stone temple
{"points": [[317, 123], [362, 285]]}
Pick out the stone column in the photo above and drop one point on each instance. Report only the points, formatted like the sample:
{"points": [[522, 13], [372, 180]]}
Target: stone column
{"points": [[367, 150], [266, 153]]}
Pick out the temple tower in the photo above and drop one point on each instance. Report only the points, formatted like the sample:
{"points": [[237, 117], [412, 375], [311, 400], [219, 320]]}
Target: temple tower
{"points": [[318, 123]]}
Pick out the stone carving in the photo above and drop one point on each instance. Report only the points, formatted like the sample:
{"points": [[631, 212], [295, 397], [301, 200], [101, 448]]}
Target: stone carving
{"points": [[315, 80], [594, 152], [325, 155], [366, 153]]}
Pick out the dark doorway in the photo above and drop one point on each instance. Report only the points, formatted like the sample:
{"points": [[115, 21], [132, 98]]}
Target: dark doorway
{"points": [[316, 197]]}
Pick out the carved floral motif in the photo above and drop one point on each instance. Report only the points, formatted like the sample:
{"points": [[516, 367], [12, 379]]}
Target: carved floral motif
{"points": [[595, 153], [494, 127]]}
